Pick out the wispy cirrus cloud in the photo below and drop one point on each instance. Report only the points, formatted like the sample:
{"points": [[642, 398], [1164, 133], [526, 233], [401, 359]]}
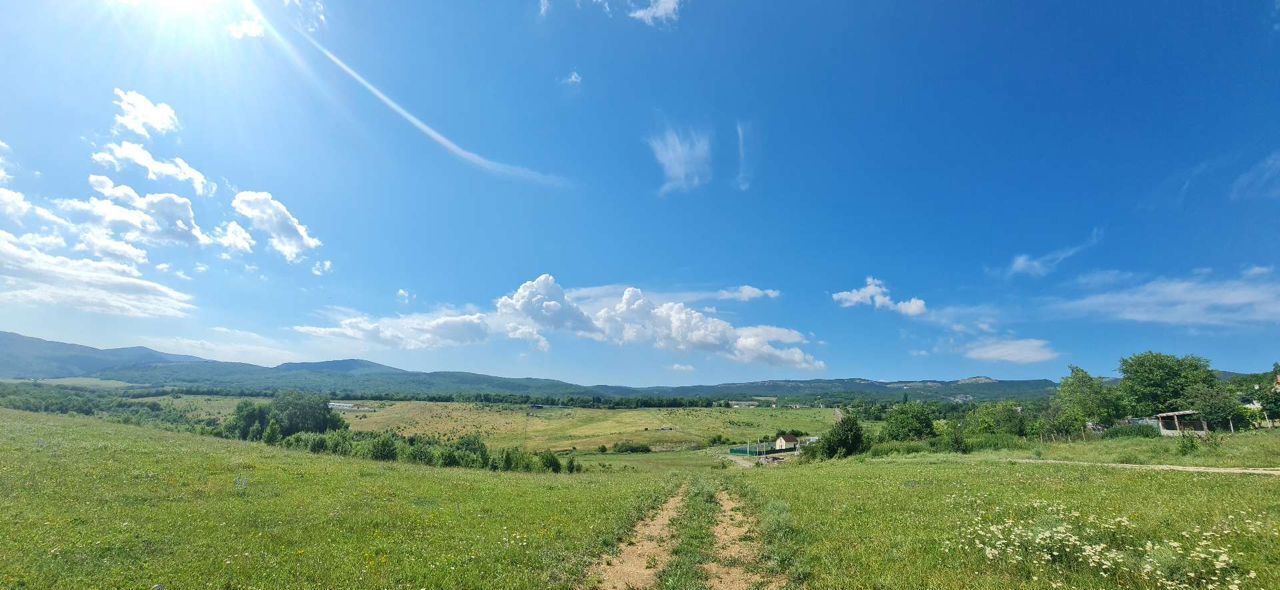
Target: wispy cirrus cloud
{"points": [[1262, 181], [1196, 301], [1039, 266], [1021, 351], [685, 158], [744, 166], [465, 155]]}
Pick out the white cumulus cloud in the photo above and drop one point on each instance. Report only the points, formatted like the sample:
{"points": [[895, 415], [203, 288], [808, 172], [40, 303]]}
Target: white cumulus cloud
{"points": [[657, 12], [137, 113], [877, 295], [285, 233], [117, 154]]}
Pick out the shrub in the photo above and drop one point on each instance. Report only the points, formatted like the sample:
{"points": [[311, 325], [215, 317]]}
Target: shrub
{"points": [[1188, 443], [1132, 431], [991, 442], [626, 446], [550, 461], [383, 448], [952, 439], [898, 447]]}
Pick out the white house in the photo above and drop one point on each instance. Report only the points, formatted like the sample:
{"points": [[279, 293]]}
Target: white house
{"points": [[785, 442]]}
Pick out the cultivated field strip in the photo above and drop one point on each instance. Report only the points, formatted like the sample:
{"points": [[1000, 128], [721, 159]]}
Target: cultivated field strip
{"points": [[644, 556]]}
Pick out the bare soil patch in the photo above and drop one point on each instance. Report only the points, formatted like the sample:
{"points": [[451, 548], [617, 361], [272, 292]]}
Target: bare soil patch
{"points": [[641, 560], [735, 551]]}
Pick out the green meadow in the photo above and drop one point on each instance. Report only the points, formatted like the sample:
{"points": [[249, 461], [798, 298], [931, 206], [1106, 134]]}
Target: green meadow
{"points": [[91, 504]]}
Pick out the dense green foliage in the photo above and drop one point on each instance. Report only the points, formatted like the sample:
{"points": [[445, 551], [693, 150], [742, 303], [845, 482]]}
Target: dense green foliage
{"points": [[1132, 431], [1155, 382], [844, 439], [909, 421], [626, 446]]}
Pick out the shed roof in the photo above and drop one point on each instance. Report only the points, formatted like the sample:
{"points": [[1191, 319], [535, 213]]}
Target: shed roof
{"points": [[788, 438], [1180, 413]]}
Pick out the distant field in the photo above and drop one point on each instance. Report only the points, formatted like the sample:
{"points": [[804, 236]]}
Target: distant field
{"points": [[564, 428], [91, 504], [199, 407], [90, 382], [911, 523]]}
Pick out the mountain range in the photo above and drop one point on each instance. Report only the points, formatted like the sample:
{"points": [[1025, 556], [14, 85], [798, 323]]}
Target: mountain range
{"points": [[24, 357]]}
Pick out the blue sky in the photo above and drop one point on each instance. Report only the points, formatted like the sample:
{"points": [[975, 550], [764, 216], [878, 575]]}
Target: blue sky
{"points": [[682, 191]]}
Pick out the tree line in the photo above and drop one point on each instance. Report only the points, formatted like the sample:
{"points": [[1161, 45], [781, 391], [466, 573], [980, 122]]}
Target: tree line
{"points": [[1150, 383]]}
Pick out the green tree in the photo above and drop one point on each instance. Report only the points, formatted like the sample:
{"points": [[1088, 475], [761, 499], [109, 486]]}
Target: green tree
{"points": [[299, 412], [1157, 382], [1091, 397], [1217, 406], [255, 432], [997, 418], [909, 421], [271, 435], [844, 439], [247, 415], [1269, 394]]}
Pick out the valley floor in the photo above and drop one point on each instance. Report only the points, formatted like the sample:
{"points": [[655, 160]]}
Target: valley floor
{"points": [[88, 503]]}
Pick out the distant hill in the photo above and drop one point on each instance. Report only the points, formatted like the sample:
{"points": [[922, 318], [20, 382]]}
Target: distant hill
{"points": [[24, 357]]}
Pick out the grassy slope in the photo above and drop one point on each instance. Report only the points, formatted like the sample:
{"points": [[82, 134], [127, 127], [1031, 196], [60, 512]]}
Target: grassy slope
{"points": [[883, 523], [559, 429], [1259, 448], [85, 503]]}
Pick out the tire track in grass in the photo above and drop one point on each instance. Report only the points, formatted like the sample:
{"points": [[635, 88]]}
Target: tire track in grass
{"points": [[735, 549], [638, 563]]}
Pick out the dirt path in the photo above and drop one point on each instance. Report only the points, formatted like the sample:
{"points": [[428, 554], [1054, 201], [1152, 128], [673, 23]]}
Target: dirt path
{"points": [[1190, 468], [643, 557], [734, 550]]}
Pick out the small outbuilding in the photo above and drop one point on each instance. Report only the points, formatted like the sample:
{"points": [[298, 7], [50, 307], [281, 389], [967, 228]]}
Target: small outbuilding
{"points": [[1176, 423], [786, 442]]}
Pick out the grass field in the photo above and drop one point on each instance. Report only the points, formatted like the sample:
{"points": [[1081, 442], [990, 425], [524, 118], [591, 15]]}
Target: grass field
{"points": [[87, 503], [914, 522], [90, 382], [1257, 448], [90, 504], [564, 428], [200, 407], [553, 428]]}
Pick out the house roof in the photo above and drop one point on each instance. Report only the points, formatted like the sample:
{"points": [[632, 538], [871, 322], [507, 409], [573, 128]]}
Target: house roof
{"points": [[1182, 413], [788, 438]]}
